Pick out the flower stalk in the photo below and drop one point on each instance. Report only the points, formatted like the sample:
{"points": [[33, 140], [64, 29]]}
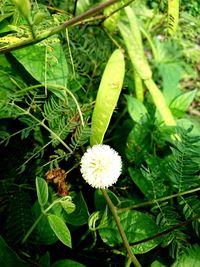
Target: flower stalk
{"points": [[120, 228]]}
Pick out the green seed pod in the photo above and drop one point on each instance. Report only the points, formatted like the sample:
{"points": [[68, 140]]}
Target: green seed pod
{"points": [[133, 41], [107, 96], [24, 7]]}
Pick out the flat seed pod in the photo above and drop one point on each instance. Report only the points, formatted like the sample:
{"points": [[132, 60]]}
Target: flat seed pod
{"points": [[107, 96]]}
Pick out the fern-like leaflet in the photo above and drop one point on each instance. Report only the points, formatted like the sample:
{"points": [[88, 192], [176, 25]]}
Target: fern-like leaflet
{"points": [[59, 116]]}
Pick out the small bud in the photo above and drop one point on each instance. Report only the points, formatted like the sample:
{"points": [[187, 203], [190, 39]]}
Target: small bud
{"points": [[67, 204]]}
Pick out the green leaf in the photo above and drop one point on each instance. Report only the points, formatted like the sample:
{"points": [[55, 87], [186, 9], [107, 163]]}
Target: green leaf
{"points": [[8, 257], [190, 258], [67, 263], [187, 122], [170, 66], [157, 264], [45, 259], [42, 191], [143, 184], [45, 61], [136, 109], [137, 226], [60, 229], [9, 80], [81, 214], [138, 142], [182, 102]]}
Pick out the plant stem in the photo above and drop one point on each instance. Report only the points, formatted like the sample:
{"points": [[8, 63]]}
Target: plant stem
{"points": [[43, 213], [73, 21], [150, 202], [120, 228], [32, 228]]}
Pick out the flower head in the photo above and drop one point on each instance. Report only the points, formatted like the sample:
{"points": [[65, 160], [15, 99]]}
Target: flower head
{"points": [[101, 166]]}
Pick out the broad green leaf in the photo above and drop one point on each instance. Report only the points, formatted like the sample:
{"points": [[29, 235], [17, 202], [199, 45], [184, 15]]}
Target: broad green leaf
{"points": [[138, 142], [182, 102], [45, 259], [67, 263], [191, 258], [171, 67], [189, 121], [60, 229], [42, 191], [143, 184], [81, 214], [8, 257], [136, 108], [46, 236], [9, 80], [45, 61], [136, 225], [171, 73], [157, 264]]}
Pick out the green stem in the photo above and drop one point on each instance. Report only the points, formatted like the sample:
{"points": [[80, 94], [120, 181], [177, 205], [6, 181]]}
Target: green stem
{"points": [[150, 202], [43, 213], [120, 228], [32, 228]]}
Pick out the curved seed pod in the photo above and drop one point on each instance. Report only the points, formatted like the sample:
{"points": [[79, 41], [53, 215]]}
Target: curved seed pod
{"points": [[133, 41], [173, 14], [160, 103], [134, 27], [107, 96], [139, 91]]}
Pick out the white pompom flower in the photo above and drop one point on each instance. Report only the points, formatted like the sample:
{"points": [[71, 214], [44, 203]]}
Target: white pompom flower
{"points": [[101, 166]]}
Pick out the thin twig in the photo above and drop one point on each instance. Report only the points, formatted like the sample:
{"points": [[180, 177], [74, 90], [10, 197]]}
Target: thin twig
{"points": [[165, 232], [153, 201]]}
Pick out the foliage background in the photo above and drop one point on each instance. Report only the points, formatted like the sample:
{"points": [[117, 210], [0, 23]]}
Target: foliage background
{"points": [[47, 95]]}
